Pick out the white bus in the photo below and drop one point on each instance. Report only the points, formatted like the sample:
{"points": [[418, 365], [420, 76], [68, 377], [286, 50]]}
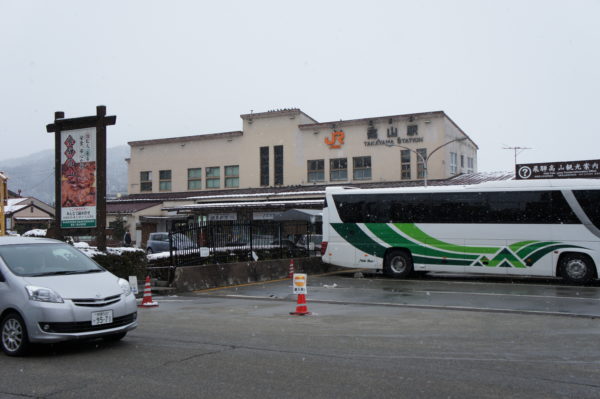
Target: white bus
{"points": [[513, 227]]}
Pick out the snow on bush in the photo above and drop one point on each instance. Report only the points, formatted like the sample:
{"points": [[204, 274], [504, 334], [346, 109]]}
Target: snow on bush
{"points": [[35, 233]]}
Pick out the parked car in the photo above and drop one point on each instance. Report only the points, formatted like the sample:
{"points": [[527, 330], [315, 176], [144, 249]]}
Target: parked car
{"points": [[311, 242], [51, 292], [292, 249], [159, 242]]}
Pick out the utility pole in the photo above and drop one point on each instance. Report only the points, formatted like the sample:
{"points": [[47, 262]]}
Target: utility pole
{"points": [[425, 160], [3, 202], [517, 151]]}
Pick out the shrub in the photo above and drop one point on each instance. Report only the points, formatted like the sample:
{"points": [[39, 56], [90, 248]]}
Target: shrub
{"points": [[131, 263]]}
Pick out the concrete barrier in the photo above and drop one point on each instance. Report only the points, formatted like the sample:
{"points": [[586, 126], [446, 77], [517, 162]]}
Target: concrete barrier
{"points": [[191, 278]]}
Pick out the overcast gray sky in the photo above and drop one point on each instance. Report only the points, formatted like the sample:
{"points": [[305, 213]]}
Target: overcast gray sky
{"points": [[510, 73]]}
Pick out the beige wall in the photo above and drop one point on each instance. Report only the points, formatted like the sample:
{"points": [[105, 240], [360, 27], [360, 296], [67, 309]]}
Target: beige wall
{"points": [[300, 145]]}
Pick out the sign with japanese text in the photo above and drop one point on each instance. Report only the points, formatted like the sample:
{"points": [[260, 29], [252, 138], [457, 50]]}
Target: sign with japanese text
{"points": [[215, 217], [300, 283], [264, 215], [78, 178], [558, 170]]}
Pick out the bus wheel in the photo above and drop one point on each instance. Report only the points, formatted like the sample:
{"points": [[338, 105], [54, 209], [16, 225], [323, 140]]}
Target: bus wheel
{"points": [[398, 264], [576, 268]]}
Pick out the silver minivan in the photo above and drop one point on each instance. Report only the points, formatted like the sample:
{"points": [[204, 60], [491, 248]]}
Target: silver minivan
{"points": [[51, 292]]}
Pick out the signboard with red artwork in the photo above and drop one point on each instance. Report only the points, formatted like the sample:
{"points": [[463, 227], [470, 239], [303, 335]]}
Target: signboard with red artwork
{"points": [[78, 178]]}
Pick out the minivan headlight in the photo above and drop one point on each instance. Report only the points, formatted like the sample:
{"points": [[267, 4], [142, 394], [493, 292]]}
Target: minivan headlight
{"points": [[42, 294], [124, 284]]}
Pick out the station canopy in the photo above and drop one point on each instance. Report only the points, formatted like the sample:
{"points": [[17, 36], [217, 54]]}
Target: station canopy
{"points": [[307, 215]]}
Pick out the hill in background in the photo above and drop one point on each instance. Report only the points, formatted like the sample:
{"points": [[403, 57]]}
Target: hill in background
{"points": [[33, 175]]}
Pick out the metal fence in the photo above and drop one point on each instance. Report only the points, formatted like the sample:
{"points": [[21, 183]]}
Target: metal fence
{"points": [[236, 241]]}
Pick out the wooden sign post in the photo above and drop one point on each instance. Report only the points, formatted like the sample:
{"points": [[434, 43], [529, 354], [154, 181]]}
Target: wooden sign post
{"points": [[80, 174]]}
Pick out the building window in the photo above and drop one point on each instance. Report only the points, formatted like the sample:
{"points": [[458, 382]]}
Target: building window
{"points": [[264, 166], [213, 177], [470, 165], [462, 161], [338, 169], [164, 177], [405, 164], [412, 130], [421, 172], [362, 168], [453, 161], [371, 131], [195, 179], [316, 170], [232, 176], [278, 159], [145, 181], [392, 131]]}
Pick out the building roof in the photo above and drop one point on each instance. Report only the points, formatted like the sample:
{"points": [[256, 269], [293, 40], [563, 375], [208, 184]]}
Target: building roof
{"points": [[361, 121], [293, 193], [275, 112], [14, 205], [246, 204], [183, 139], [129, 206], [349, 122], [19, 203]]}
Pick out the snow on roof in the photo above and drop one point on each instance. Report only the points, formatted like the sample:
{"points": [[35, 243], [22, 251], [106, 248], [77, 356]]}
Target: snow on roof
{"points": [[249, 204], [267, 194], [129, 207], [14, 205]]}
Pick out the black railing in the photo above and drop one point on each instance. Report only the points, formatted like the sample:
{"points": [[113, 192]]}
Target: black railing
{"points": [[237, 241]]}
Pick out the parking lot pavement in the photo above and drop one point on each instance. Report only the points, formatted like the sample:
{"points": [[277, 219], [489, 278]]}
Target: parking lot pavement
{"points": [[496, 295], [242, 342]]}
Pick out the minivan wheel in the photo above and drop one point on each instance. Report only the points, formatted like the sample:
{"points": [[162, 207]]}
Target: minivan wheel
{"points": [[398, 264], [576, 268], [149, 251], [14, 335]]}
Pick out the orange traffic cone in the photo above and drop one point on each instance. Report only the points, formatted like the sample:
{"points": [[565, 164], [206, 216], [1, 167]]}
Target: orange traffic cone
{"points": [[301, 308], [291, 270], [147, 302]]}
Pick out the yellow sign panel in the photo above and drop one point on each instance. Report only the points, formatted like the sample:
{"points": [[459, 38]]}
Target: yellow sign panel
{"points": [[300, 283]]}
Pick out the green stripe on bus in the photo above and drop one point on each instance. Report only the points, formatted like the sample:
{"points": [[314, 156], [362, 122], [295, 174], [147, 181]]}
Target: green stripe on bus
{"points": [[529, 249], [505, 258], [389, 236], [518, 245], [417, 234], [534, 257], [357, 238]]}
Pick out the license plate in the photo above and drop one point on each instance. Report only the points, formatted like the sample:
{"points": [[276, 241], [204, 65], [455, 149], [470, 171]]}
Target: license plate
{"points": [[104, 317]]}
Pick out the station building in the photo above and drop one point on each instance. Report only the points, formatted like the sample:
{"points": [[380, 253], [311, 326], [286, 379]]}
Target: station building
{"points": [[282, 160]]}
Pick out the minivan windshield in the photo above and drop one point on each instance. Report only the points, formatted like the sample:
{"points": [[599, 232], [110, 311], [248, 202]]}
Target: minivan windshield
{"points": [[45, 259]]}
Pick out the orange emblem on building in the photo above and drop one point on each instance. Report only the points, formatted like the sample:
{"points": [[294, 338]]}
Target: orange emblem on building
{"points": [[336, 140]]}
